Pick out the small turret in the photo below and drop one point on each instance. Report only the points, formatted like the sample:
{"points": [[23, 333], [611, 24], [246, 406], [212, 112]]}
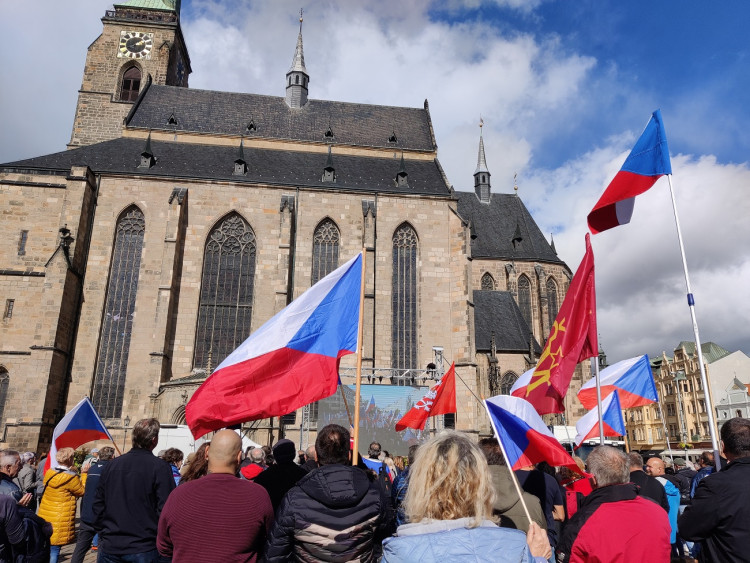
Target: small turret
{"points": [[297, 77]]}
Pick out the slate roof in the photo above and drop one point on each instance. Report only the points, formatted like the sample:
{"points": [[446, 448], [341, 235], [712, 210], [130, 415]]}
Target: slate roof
{"points": [[497, 312], [496, 224], [211, 162], [228, 113], [711, 351]]}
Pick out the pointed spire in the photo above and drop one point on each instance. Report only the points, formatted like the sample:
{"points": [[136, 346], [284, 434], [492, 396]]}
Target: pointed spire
{"points": [[147, 155], [329, 172], [552, 243], [517, 236], [482, 174], [297, 77], [240, 164], [402, 176]]}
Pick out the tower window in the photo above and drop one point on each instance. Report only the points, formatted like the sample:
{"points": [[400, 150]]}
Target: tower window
{"points": [[296, 79], [488, 282], [524, 299], [22, 243], [325, 250], [131, 84], [9, 303], [404, 299]]}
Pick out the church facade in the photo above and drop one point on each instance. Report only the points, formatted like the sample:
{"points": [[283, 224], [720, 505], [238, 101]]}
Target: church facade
{"points": [[180, 220]]}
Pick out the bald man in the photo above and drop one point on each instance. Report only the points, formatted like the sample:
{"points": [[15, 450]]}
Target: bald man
{"points": [[218, 517], [656, 468]]}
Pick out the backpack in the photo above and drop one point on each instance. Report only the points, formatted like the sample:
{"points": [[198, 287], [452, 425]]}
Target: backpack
{"points": [[35, 546]]}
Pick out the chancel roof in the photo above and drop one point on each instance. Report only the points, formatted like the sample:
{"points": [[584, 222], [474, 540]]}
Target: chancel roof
{"points": [[496, 312], [505, 229]]}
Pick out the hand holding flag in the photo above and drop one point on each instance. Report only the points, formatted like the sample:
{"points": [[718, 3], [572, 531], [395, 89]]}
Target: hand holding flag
{"points": [[440, 399]]}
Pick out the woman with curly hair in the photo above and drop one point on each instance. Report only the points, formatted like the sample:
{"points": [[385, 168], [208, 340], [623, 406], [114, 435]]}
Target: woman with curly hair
{"points": [[174, 458], [198, 466], [449, 506]]}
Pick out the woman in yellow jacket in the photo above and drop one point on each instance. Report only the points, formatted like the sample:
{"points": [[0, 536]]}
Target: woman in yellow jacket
{"points": [[62, 487]]}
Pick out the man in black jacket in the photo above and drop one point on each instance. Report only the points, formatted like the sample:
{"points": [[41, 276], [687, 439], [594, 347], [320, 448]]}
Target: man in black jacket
{"points": [[336, 512], [131, 493], [719, 514], [86, 530], [282, 475], [647, 486]]}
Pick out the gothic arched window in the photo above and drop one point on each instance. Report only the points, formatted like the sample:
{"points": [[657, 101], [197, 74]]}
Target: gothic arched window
{"points": [[131, 84], [4, 383], [524, 298], [488, 282], [552, 306], [404, 299], [226, 298], [119, 314], [325, 257], [506, 382]]}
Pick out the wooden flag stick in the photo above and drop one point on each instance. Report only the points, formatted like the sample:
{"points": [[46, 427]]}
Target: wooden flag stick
{"points": [[346, 405], [510, 469], [360, 330]]}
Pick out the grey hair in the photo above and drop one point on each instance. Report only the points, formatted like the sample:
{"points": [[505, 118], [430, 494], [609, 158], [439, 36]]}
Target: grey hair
{"points": [[257, 455], [609, 466], [9, 457]]}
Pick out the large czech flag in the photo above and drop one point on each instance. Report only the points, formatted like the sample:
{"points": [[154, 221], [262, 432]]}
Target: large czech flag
{"points": [[523, 434], [632, 379], [287, 363], [646, 163], [588, 426], [79, 426]]}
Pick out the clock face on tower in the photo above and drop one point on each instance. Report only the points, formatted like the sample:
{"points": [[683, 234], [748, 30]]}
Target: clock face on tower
{"points": [[135, 45]]}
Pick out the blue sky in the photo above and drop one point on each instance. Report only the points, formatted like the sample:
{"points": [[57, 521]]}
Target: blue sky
{"points": [[564, 89]]}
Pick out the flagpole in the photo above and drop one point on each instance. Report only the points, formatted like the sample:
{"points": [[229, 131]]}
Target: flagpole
{"points": [[510, 469], [346, 405], [666, 435], [360, 330], [691, 306], [595, 368]]}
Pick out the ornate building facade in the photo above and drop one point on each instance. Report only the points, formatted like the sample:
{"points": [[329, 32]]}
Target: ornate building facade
{"points": [[180, 220]]}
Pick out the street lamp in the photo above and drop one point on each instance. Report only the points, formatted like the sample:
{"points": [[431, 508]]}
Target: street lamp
{"points": [[126, 423]]}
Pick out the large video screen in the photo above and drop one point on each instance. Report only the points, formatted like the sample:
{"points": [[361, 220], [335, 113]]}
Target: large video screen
{"points": [[381, 407]]}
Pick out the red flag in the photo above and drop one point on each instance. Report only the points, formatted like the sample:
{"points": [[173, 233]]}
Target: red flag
{"points": [[440, 399], [572, 339]]}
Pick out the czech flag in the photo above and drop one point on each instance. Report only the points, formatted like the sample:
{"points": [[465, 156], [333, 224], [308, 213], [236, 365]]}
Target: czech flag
{"points": [[290, 361], [614, 425], [632, 379], [647, 162], [525, 438], [79, 426]]}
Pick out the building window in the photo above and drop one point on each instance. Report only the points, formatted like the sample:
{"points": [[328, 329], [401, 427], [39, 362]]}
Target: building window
{"points": [[404, 299], [506, 382], [119, 313], [488, 282], [9, 304], [325, 257], [524, 299], [226, 298], [552, 306], [4, 383], [131, 84], [22, 243]]}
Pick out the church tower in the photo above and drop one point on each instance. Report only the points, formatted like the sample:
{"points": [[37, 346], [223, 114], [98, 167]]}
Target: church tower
{"points": [[141, 42], [297, 77], [481, 174]]}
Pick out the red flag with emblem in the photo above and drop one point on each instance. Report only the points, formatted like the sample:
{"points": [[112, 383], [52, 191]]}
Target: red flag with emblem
{"points": [[440, 399], [572, 339]]}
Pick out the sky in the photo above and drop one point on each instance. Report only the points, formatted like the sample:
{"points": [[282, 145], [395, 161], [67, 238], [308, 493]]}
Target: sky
{"points": [[563, 88]]}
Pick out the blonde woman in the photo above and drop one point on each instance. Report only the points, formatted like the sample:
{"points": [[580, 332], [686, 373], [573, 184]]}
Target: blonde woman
{"points": [[449, 505], [62, 487]]}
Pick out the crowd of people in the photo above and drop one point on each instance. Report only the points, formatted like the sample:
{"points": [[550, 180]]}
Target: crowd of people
{"points": [[451, 499]]}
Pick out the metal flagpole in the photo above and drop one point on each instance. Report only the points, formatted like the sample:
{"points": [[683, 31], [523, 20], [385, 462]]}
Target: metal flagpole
{"points": [[595, 367], [360, 345], [691, 306]]}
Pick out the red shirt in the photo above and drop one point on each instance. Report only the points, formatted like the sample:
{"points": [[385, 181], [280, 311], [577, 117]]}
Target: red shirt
{"points": [[218, 517]]}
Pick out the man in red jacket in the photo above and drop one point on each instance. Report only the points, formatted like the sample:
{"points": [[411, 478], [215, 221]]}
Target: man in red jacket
{"points": [[613, 522]]}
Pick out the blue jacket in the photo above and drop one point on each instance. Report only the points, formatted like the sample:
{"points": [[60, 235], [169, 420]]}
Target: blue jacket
{"points": [[450, 540], [92, 481], [673, 498]]}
